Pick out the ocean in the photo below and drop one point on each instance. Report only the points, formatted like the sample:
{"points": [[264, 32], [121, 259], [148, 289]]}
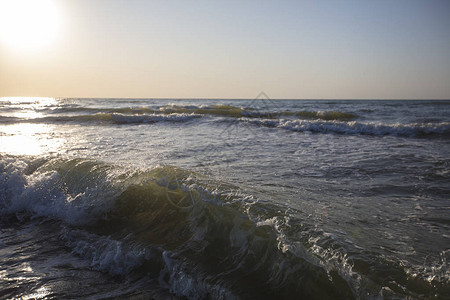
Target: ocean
{"points": [[224, 199]]}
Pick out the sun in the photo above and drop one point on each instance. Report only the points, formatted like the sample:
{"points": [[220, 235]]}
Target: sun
{"points": [[28, 24]]}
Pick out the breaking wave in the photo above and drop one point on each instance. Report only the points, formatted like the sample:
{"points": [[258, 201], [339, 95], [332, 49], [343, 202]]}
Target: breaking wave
{"points": [[108, 118], [195, 236], [171, 112], [353, 127], [166, 222]]}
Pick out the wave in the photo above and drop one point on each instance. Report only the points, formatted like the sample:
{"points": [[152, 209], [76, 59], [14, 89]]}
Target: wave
{"points": [[167, 221], [196, 236], [102, 114], [93, 110], [322, 115], [221, 110], [328, 123], [214, 110], [9, 120], [131, 119], [106, 118], [249, 112], [377, 129]]}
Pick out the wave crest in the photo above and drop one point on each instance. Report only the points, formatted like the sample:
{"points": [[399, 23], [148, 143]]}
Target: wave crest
{"points": [[208, 236], [410, 130]]}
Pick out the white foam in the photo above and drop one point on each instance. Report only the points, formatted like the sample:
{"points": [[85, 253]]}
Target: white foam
{"points": [[411, 129], [106, 254], [42, 194]]}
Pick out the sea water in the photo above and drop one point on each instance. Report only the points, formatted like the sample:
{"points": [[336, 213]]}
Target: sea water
{"points": [[210, 198]]}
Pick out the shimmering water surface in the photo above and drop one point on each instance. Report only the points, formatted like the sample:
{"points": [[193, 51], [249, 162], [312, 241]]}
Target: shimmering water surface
{"points": [[168, 198]]}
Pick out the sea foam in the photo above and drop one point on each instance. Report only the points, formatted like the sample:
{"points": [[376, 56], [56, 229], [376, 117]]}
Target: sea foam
{"points": [[353, 127]]}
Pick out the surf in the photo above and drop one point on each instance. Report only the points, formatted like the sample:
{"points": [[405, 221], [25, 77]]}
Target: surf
{"points": [[188, 229]]}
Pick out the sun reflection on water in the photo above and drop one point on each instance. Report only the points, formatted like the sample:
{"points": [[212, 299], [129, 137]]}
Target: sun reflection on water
{"points": [[25, 138], [29, 275], [39, 101], [40, 293], [28, 139]]}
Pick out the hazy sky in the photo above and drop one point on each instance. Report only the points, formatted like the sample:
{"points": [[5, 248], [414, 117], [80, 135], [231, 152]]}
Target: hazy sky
{"points": [[226, 49]]}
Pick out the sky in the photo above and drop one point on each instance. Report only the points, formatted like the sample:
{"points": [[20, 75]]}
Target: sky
{"points": [[395, 49]]}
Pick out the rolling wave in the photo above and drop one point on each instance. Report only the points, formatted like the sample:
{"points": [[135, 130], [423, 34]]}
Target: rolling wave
{"points": [[353, 127], [190, 233], [101, 114], [249, 112], [322, 115], [317, 122], [9, 120], [106, 118], [430, 129], [200, 242]]}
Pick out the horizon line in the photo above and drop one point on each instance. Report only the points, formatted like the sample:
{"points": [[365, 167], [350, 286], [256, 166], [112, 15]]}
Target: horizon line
{"points": [[218, 98]]}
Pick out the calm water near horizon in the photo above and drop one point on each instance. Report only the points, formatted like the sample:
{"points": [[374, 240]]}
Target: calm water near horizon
{"points": [[210, 198]]}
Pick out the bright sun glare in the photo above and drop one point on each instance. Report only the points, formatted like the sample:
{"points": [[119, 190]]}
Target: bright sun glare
{"points": [[28, 24]]}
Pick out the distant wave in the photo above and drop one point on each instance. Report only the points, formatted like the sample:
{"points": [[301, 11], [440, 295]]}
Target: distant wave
{"points": [[232, 111], [330, 122], [353, 127], [204, 110], [7, 120], [131, 119], [322, 115], [115, 118]]}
